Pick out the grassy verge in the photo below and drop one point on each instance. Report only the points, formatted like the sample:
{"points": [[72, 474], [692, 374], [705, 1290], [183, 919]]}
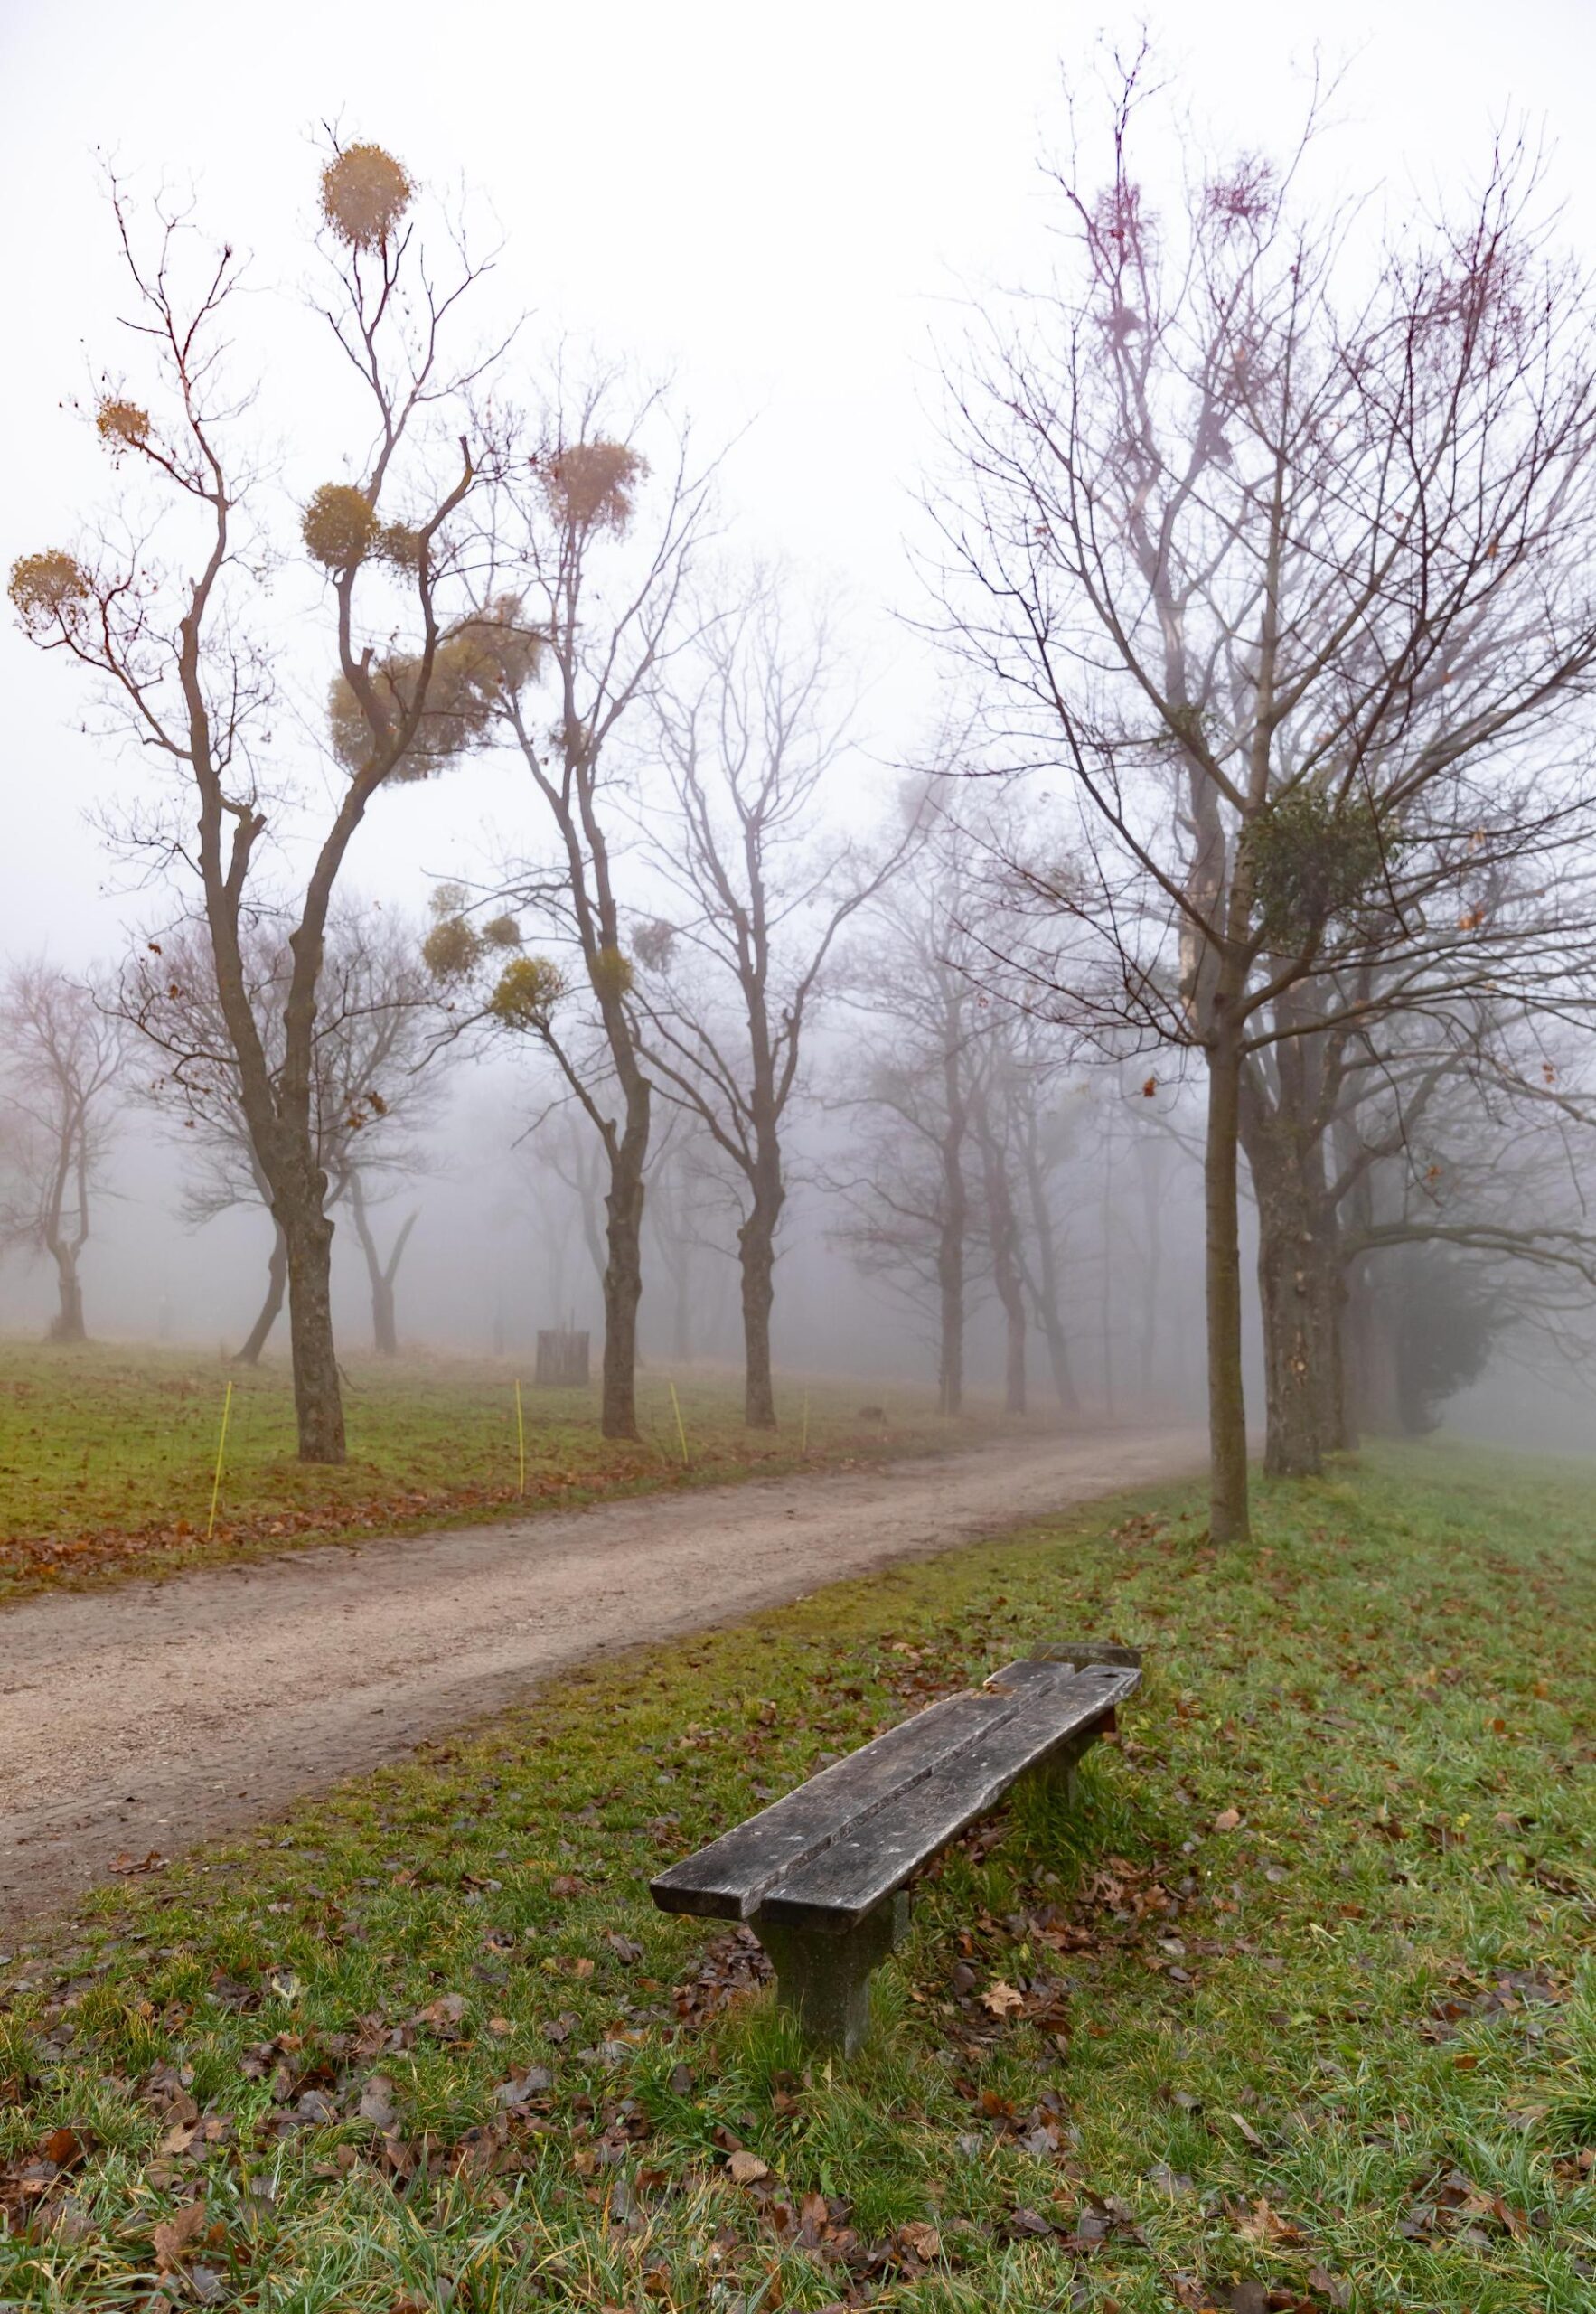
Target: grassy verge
{"points": [[1300, 2012], [107, 1456]]}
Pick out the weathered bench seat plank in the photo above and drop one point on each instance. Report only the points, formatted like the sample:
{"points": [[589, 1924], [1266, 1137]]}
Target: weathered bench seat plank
{"points": [[728, 1879], [868, 1861]]}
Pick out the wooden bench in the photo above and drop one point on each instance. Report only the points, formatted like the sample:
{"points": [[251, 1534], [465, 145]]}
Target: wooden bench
{"points": [[820, 1875]]}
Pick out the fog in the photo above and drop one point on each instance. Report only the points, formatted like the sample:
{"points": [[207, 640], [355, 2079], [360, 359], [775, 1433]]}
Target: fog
{"points": [[786, 221]]}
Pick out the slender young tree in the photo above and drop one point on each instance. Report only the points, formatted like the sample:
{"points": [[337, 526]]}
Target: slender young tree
{"points": [[167, 607], [1272, 541], [752, 731], [61, 1060], [594, 549]]}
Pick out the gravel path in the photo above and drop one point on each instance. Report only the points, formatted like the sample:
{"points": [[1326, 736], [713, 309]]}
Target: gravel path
{"points": [[159, 1714]]}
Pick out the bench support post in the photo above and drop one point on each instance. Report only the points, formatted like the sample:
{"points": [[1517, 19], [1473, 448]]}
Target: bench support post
{"points": [[1057, 1776], [823, 1978]]}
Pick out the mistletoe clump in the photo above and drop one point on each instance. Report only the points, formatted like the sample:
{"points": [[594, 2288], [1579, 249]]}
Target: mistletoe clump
{"points": [[612, 975], [48, 590], [338, 527], [122, 425], [365, 192], [451, 949], [526, 992], [477, 663], [590, 485], [1314, 857]]}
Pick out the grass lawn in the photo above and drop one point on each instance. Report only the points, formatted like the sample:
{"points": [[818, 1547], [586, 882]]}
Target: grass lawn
{"points": [[107, 1455], [1300, 2012]]}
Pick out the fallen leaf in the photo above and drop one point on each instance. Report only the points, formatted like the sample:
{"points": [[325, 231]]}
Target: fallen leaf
{"points": [[1329, 2285], [175, 2235], [1228, 1820], [443, 2015], [922, 2241], [1001, 1999], [376, 2103], [747, 2168]]}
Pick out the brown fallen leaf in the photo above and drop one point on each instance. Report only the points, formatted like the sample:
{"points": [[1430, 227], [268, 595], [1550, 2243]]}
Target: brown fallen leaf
{"points": [[444, 2014], [922, 2241], [177, 2236], [747, 2168], [1001, 1999], [1262, 2223], [1228, 1820], [1329, 2285]]}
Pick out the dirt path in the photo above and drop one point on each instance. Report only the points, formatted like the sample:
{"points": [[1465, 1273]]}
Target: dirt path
{"points": [[157, 1715]]}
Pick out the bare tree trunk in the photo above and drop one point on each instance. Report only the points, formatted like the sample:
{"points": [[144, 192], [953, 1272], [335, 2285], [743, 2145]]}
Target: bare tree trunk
{"points": [[1152, 1208], [623, 1272], [318, 1401], [1227, 1415], [1003, 1233], [379, 1274], [67, 1325], [682, 1349], [1296, 1294], [276, 1287], [1045, 1284], [756, 1246], [951, 1233]]}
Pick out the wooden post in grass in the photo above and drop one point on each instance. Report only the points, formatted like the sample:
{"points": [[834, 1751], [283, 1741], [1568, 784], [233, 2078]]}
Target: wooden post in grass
{"points": [[520, 1441], [803, 1443], [681, 1428], [227, 1407]]}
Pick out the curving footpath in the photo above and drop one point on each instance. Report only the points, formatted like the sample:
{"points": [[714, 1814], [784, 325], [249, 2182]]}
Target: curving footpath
{"points": [[159, 1714]]}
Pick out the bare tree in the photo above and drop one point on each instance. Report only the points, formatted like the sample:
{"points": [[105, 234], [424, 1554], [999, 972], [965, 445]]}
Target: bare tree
{"points": [[911, 1187], [374, 1063], [752, 731], [61, 1062], [167, 607], [597, 552], [1274, 543]]}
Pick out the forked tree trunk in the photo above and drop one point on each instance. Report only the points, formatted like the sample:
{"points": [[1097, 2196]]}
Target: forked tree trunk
{"points": [[1228, 1519], [380, 1274], [276, 1287], [67, 1325]]}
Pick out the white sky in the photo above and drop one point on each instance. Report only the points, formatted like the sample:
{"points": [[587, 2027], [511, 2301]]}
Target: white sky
{"points": [[775, 202]]}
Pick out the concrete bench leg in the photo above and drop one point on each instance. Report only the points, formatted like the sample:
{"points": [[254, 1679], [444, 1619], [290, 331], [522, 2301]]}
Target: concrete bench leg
{"points": [[825, 1980], [1057, 1776]]}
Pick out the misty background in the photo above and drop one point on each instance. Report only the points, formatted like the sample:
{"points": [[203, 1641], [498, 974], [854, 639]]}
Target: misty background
{"points": [[778, 213]]}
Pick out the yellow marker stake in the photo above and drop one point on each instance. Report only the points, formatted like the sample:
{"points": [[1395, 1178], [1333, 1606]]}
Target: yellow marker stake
{"points": [[521, 1439], [680, 1432], [227, 1407]]}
